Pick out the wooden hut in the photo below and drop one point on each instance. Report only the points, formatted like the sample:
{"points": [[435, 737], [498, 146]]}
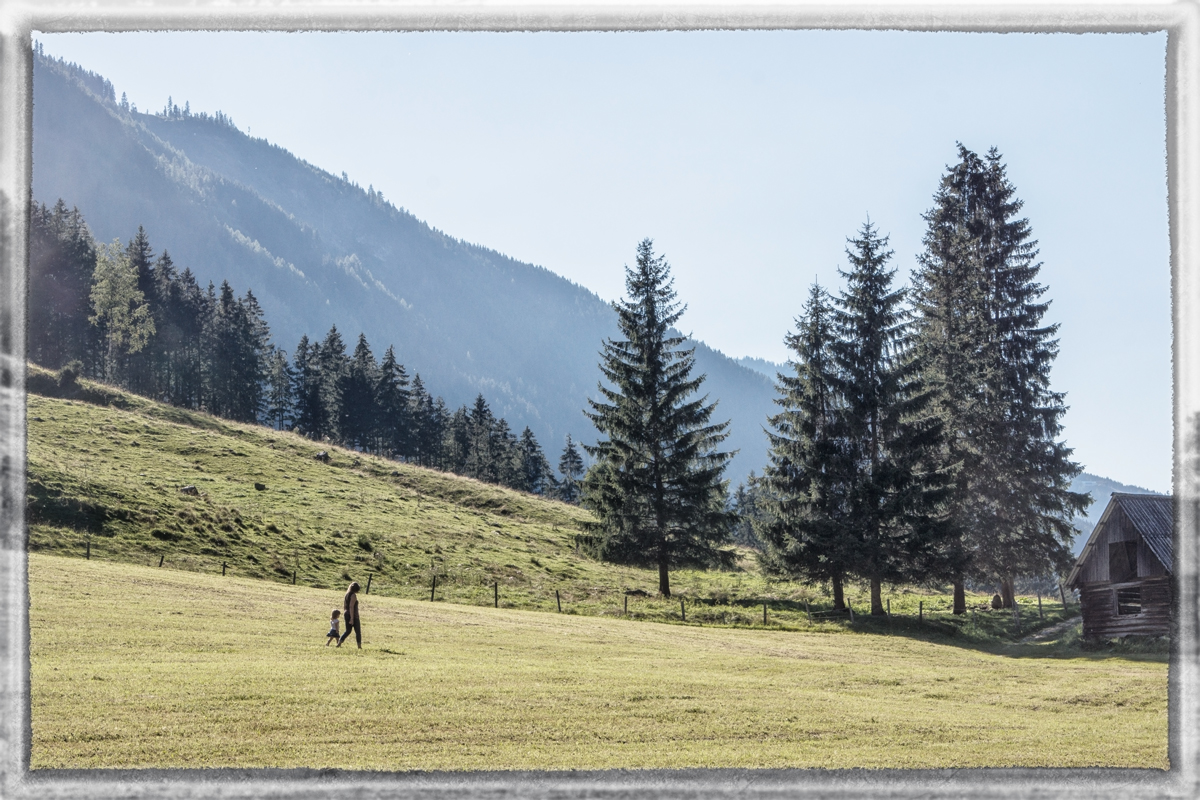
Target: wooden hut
{"points": [[1123, 574]]}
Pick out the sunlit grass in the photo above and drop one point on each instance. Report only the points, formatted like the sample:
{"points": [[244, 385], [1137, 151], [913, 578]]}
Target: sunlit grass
{"points": [[135, 666]]}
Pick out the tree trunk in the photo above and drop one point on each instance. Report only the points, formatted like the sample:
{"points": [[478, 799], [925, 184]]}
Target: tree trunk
{"points": [[960, 596], [877, 598], [1006, 592], [839, 599], [664, 580]]}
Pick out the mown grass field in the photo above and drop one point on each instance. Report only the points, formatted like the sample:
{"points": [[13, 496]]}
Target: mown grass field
{"points": [[110, 471], [136, 666]]}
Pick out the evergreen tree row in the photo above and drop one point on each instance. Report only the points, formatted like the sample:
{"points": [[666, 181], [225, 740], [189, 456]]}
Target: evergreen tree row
{"points": [[135, 321]]}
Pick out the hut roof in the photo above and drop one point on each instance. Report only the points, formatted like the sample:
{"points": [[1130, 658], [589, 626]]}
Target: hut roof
{"points": [[1151, 515]]}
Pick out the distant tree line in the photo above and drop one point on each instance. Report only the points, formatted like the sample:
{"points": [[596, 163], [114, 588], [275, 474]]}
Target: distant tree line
{"points": [[133, 320]]}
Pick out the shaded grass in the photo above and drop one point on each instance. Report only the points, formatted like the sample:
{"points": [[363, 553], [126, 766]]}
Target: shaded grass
{"points": [[133, 666]]}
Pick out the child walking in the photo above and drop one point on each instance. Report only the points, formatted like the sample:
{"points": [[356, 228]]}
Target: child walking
{"points": [[333, 627]]}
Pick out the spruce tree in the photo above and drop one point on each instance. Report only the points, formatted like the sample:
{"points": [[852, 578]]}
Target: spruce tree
{"points": [[957, 353], [570, 466], [507, 470], [224, 375], [749, 504], [392, 397], [482, 448], [62, 257], [119, 311], [661, 500], [536, 476], [280, 400], [890, 498], [140, 367], [332, 365], [987, 356], [189, 358], [254, 350], [456, 447], [310, 413], [429, 420], [806, 482], [357, 385]]}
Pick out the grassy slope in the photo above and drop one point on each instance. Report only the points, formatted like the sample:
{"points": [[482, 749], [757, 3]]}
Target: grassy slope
{"points": [[136, 666], [111, 470]]}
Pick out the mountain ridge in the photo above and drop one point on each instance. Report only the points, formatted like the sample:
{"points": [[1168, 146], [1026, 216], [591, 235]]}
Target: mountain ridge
{"points": [[318, 250]]}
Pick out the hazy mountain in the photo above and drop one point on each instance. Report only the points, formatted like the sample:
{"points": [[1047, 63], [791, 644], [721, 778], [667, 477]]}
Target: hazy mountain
{"points": [[1100, 489], [319, 250], [762, 366]]}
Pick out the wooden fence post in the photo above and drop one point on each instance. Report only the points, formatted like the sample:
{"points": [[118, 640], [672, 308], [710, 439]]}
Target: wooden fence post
{"points": [[921, 611], [433, 588], [558, 600], [851, 611], [764, 613], [293, 577], [1041, 616], [808, 611], [89, 549], [1016, 615], [682, 610], [369, 576], [496, 594], [889, 608], [222, 568], [160, 559], [627, 605]]}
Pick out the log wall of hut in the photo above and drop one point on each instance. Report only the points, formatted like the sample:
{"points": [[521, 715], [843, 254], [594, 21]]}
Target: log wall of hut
{"points": [[1133, 608]]}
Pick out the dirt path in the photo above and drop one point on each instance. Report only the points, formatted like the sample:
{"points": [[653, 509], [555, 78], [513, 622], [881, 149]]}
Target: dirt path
{"points": [[1051, 632]]}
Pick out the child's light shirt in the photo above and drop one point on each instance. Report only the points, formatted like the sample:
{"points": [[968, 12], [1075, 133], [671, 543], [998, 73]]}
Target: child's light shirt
{"points": [[333, 625]]}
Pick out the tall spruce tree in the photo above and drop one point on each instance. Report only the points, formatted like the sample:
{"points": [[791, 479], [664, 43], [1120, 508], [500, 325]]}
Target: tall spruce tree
{"points": [[663, 500], [804, 504], [987, 356], [890, 491]]}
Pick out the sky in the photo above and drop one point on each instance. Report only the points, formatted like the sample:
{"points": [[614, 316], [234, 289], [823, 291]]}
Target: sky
{"points": [[747, 156]]}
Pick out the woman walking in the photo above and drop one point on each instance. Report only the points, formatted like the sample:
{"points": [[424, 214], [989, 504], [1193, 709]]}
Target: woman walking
{"points": [[350, 614]]}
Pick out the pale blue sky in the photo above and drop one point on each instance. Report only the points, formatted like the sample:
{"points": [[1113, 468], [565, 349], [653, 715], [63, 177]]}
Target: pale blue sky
{"points": [[747, 156]]}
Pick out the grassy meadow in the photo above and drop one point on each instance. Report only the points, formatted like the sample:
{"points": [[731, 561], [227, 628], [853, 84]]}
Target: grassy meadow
{"points": [[140, 665], [135, 666]]}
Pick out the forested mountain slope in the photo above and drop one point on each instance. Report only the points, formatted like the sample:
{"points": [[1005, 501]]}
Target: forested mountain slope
{"points": [[318, 250]]}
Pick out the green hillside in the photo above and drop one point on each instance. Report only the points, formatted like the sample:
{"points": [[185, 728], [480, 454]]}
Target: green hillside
{"points": [[138, 667], [119, 471]]}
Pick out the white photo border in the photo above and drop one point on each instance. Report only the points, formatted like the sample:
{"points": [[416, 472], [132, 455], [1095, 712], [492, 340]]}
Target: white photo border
{"points": [[20, 19]]}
